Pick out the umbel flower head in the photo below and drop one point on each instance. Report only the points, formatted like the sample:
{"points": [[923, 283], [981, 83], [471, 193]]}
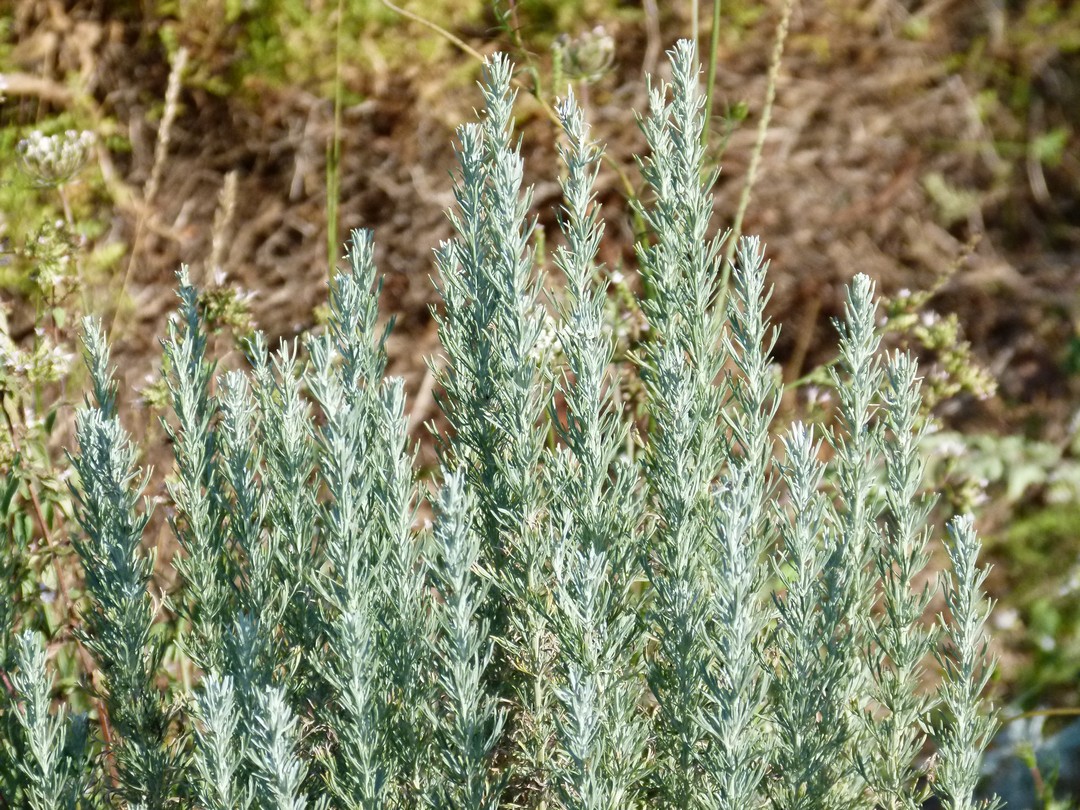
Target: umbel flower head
{"points": [[52, 160], [587, 57]]}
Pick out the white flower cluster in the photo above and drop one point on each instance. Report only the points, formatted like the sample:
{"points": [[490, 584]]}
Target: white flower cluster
{"points": [[54, 159], [45, 361], [10, 356], [586, 57]]}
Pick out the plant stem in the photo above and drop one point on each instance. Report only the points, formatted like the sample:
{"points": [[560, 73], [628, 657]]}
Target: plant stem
{"points": [[640, 231], [710, 85], [438, 29], [759, 146], [333, 158]]}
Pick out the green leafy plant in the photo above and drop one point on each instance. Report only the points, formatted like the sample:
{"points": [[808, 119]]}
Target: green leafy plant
{"points": [[689, 608]]}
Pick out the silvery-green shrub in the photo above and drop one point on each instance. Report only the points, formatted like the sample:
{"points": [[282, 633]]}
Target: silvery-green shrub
{"points": [[688, 606]]}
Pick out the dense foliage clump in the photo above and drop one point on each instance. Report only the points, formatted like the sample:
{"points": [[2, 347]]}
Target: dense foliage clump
{"points": [[679, 606]]}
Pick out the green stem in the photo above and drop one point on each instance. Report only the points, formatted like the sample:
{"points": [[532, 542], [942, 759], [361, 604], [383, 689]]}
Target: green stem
{"points": [[714, 51], [438, 29], [759, 146], [640, 231], [333, 161]]}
